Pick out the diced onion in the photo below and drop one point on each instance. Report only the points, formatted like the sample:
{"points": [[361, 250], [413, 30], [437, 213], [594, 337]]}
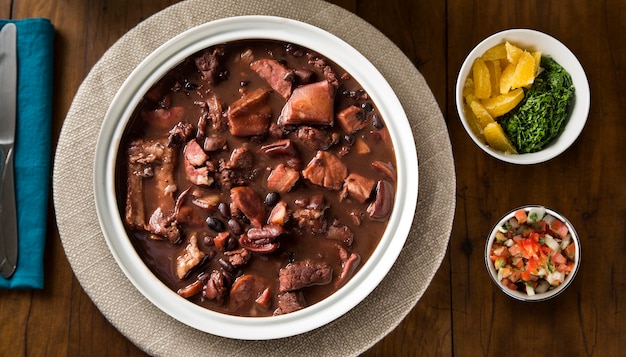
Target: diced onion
{"points": [[529, 290], [536, 214], [555, 278], [550, 242], [566, 241], [509, 242]]}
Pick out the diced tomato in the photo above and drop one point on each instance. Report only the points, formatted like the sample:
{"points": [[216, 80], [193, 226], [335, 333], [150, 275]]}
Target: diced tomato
{"points": [[501, 252], [515, 275], [521, 216], [558, 228], [515, 250], [570, 251], [558, 258], [534, 237], [509, 284], [565, 267], [540, 226], [525, 275]]}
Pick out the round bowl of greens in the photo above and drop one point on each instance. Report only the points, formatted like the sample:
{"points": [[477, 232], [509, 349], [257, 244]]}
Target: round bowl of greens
{"points": [[522, 96]]}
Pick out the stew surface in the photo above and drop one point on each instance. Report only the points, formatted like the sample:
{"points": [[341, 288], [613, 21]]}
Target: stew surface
{"points": [[256, 178]]}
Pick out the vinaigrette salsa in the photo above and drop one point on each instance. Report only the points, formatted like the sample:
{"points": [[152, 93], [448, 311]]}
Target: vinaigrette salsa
{"points": [[533, 252]]}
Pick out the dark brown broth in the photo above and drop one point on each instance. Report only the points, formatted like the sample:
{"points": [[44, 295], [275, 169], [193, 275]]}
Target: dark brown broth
{"points": [[160, 255]]}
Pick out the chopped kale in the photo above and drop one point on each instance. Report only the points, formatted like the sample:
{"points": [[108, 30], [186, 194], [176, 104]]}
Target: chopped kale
{"points": [[542, 114]]}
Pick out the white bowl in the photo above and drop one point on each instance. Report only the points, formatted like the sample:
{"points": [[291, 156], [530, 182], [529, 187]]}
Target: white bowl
{"points": [[523, 296], [172, 53], [533, 40]]}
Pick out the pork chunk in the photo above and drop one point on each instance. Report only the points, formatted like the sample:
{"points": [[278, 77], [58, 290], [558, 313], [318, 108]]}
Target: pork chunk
{"points": [[300, 274], [310, 104], [326, 170]]}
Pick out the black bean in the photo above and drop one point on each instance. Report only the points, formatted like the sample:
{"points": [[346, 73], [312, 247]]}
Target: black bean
{"points": [[272, 198], [226, 266], [367, 106], [235, 226], [208, 241], [215, 224], [224, 210], [190, 86], [244, 83], [377, 122], [349, 138], [231, 243]]}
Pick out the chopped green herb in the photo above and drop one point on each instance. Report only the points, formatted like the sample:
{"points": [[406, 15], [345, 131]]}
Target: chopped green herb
{"points": [[541, 115]]}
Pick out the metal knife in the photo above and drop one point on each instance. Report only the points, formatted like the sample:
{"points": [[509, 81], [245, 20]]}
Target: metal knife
{"points": [[8, 93]]}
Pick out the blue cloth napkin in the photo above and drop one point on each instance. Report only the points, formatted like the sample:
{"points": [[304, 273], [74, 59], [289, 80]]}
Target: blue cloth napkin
{"points": [[35, 54]]}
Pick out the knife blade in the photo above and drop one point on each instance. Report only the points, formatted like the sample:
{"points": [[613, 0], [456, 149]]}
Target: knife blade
{"points": [[8, 89]]}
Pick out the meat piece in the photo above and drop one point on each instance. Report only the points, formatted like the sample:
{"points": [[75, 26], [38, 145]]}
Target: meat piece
{"points": [[179, 134], [279, 214], [312, 215], [282, 179], [265, 299], [164, 118], [241, 159], [314, 138], [211, 117], [245, 290], [322, 64], [289, 302], [246, 200], [349, 263], [358, 187], [381, 207], [215, 288], [191, 290], [194, 153], [303, 76], [386, 168], [310, 104], [189, 259], [250, 115], [351, 119], [238, 257], [214, 143], [151, 159], [300, 274], [340, 232], [163, 225], [285, 151], [186, 214], [262, 240], [209, 64], [326, 170], [195, 164], [279, 77]]}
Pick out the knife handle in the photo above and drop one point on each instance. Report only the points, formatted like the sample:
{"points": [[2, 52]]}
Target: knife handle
{"points": [[8, 216]]}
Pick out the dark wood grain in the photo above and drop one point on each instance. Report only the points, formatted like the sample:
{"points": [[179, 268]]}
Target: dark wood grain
{"points": [[462, 313]]}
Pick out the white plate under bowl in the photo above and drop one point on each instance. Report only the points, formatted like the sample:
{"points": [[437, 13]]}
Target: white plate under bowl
{"points": [[155, 66]]}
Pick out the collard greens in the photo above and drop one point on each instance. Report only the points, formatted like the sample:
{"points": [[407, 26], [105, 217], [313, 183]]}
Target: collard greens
{"points": [[542, 114]]}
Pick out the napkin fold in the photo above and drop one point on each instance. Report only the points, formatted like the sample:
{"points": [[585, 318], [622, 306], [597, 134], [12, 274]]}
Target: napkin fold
{"points": [[35, 54]]}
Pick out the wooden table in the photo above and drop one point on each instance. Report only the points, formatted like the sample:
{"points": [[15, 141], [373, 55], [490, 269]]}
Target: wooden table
{"points": [[462, 312]]}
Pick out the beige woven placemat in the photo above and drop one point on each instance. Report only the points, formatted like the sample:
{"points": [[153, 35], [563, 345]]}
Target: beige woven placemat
{"points": [[157, 333]]}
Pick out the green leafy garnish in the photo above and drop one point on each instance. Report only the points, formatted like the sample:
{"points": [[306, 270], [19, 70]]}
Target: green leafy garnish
{"points": [[542, 114]]}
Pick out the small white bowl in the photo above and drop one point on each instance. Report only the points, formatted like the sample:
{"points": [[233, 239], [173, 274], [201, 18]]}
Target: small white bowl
{"points": [[549, 46], [521, 295], [158, 64]]}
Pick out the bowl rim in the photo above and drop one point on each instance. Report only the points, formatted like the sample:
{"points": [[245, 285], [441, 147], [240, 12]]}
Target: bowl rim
{"points": [[539, 296], [528, 38], [172, 52]]}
